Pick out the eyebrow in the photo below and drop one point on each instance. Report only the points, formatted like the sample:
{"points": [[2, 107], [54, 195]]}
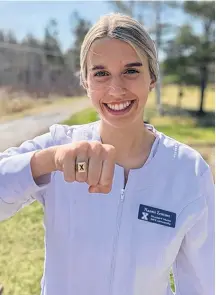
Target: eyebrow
{"points": [[130, 65]]}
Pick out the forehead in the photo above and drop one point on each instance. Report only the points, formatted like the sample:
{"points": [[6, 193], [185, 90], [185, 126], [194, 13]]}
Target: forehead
{"points": [[111, 51]]}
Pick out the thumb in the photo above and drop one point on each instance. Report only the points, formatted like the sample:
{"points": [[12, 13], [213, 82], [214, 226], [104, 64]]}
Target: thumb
{"points": [[100, 189], [93, 189]]}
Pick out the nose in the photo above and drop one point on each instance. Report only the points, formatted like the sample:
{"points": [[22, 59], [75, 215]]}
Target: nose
{"points": [[116, 88]]}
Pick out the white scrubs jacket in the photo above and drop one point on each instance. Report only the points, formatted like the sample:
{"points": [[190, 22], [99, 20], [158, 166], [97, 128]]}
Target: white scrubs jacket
{"points": [[124, 242]]}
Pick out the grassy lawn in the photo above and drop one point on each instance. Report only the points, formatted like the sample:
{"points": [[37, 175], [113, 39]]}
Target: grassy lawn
{"points": [[182, 129], [21, 244], [21, 252]]}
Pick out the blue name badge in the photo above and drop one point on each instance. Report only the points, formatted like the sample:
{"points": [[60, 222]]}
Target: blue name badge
{"points": [[156, 215]]}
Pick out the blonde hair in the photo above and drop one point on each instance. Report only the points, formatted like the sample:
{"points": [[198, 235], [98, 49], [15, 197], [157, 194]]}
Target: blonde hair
{"points": [[125, 28]]}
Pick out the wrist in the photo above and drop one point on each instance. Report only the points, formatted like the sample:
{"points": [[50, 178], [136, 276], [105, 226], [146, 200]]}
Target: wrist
{"points": [[43, 162]]}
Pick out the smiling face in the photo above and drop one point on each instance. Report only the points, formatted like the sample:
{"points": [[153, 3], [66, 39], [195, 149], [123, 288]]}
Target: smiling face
{"points": [[118, 82]]}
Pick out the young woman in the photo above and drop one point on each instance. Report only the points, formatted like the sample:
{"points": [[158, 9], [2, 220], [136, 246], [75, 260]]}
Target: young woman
{"points": [[123, 202]]}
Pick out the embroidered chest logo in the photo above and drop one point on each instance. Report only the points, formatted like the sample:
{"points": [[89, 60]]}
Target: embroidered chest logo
{"points": [[156, 215]]}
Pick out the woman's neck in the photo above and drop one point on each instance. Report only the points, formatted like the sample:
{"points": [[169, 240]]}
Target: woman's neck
{"points": [[133, 143]]}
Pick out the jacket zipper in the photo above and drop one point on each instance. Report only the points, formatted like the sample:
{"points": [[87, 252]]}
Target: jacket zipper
{"points": [[115, 244]]}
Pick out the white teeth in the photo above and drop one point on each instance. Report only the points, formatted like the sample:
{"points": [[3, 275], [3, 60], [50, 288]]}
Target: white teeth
{"points": [[120, 106]]}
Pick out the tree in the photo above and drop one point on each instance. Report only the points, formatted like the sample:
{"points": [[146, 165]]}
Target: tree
{"points": [[2, 36], [204, 54], [31, 41], [190, 56], [10, 37], [178, 66], [32, 63], [52, 46], [79, 28], [178, 62]]}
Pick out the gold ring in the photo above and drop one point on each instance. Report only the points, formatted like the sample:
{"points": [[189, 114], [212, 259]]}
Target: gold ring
{"points": [[81, 167]]}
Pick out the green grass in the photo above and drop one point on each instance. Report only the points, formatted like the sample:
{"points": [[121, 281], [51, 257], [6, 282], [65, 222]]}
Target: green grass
{"points": [[22, 251], [182, 129], [21, 237], [86, 116]]}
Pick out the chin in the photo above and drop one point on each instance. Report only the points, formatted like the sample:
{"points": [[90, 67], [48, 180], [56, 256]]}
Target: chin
{"points": [[119, 123]]}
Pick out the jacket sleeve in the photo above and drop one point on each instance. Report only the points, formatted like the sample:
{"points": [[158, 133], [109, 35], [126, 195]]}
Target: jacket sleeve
{"points": [[17, 186], [194, 266]]}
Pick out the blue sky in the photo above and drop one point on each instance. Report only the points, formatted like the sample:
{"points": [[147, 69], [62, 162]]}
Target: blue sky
{"points": [[32, 16]]}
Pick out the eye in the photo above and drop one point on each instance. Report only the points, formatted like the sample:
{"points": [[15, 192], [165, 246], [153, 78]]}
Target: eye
{"points": [[101, 74], [131, 71]]}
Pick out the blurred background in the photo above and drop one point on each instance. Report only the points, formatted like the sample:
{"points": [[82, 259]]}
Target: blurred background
{"points": [[39, 86]]}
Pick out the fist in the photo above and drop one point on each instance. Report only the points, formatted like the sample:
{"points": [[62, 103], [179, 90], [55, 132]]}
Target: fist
{"points": [[97, 163]]}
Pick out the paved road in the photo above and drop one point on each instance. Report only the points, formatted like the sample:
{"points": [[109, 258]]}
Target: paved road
{"points": [[12, 133]]}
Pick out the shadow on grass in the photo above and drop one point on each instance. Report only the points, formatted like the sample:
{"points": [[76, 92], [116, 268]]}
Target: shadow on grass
{"points": [[206, 119]]}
